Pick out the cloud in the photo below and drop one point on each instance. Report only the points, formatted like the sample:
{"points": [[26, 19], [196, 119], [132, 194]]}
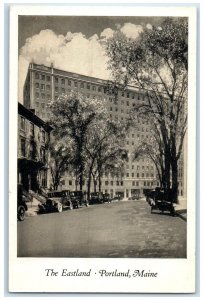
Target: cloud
{"points": [[131, 30], [72, 52], [149, 26], [107, 33]]}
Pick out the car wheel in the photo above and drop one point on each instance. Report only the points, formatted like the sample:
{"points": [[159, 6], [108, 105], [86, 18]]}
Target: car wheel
{"points": [[59, 207], [21, 213]]}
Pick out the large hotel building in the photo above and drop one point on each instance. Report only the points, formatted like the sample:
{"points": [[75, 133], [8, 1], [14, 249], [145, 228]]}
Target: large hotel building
{"points": [[47, 83]]}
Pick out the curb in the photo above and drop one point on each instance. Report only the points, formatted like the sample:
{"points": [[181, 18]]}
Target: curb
{"points": [[180, 215]]}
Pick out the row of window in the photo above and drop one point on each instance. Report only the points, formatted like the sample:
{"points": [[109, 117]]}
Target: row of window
{"points": [[138, 175], [141, 167], [31, 128], [43, 96], [83, 85], [32, 151]]}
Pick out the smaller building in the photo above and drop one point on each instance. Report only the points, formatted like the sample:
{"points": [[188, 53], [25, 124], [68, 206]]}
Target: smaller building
{"points": [[33, 149]]}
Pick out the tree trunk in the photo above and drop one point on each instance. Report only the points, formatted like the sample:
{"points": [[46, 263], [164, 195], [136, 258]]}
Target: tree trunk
{"points": [[174, 169], [99, 181]]}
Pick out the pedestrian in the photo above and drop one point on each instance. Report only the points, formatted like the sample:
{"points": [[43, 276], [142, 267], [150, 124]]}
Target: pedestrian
{"points": [[85, 199]]}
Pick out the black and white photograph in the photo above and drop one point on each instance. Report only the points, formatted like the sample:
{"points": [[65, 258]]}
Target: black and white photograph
{"points": [[103, 141]]}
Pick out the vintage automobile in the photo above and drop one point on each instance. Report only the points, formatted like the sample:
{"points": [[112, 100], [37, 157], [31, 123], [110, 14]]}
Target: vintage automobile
{"points": [[96, 198], [21, 203], [77, 198], [107, 198], [56, 201], [160, 199]]}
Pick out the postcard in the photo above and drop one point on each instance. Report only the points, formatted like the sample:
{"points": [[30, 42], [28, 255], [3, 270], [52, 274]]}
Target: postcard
{"points": [[102, 149]]}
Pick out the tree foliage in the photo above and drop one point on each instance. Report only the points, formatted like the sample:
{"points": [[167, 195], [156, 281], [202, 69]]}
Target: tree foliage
{"points": [[156, 63]]}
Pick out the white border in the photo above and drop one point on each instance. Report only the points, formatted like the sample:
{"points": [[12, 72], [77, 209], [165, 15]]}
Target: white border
{"points": [[27, 274]]}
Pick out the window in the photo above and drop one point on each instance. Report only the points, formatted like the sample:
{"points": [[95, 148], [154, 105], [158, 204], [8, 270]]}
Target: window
{"points": [[127, 142], [31, 129], [42, 77], [133, 174], [22, 123], [37, 95], [42, 154], [43, 96], [121, 182], [133, 183], [133, 96], [44, 178], [23, 147], [56, 79], [62, 81], [143, 167], [111, 183], [88, 86], [82, 85], [43, 135], [111, 108], [56, 89], [75, 84], [48, 78], [63, 90], [138, 175], [43, 105], [47, 87], [138, 167], [144, 183], [133, 135], [127, 103], [70, 182], [137, 183], [106, 182], [36, 75], [31, 151], [133, 143], [37, 104], [42, 86], [132, 167], [127, 174], [99, 89], [93, 88], [37, 85], [142, 174], [69, 82], [147, 175], [128, 95]]}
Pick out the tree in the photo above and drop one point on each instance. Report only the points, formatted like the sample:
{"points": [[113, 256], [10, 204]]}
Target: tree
{"points": [[73, 116], [157, 64], [61, 159], [104, 147]]}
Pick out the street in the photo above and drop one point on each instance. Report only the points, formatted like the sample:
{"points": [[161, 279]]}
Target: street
{"points": [[119, 229]]}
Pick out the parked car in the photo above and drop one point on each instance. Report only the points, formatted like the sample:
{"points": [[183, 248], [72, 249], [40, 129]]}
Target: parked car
{"points": [[117, 197], [76, 198], [96, 198], [21, 203], [56, 201], [106, 198], [134, 197], [161, 200]]}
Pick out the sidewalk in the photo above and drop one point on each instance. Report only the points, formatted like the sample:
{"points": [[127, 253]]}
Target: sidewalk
{"points": [[181, 208]]}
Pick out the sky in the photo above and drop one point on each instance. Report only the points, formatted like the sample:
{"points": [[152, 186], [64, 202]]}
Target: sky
{"points": [[72, 43]]}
